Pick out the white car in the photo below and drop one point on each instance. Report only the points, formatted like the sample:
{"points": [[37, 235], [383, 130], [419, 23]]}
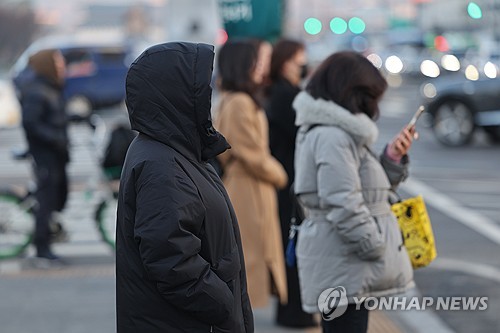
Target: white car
{"points": [[10, 110]]}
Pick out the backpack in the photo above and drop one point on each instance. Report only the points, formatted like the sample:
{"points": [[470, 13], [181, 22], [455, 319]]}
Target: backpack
{"points": [[116, 149]]}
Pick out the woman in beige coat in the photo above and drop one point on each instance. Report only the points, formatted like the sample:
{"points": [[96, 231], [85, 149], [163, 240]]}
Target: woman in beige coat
{"points": [[251, 174]]}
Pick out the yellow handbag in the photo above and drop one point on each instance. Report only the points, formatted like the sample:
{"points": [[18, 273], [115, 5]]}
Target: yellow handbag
{"points": [[416, 229]]}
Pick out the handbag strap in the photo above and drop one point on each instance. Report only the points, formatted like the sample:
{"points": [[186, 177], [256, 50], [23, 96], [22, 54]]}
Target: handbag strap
{"points": [[394, 197], [297, 215]]}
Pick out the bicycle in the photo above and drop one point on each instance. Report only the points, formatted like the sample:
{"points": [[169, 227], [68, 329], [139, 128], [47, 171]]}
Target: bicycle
{"points": [[105, 213], [16, 220], [17, 204]]}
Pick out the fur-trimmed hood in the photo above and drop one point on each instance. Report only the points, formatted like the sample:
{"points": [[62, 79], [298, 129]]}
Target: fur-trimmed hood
{"points": [[312, 111]]}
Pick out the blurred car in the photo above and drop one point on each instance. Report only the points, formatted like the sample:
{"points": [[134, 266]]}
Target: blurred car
{"points": [[10, 111], [95, 76], [457, 106]]}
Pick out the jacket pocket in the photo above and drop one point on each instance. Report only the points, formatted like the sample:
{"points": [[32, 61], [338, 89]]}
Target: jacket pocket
{"points": [[228, 269], [373, 247]]}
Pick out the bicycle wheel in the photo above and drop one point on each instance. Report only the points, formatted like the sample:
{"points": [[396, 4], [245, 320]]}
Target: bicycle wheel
{"points": [[16, 224], [105, 218]]}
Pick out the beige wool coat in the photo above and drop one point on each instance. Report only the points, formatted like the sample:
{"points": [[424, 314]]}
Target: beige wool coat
{"points": [[251, 177]]}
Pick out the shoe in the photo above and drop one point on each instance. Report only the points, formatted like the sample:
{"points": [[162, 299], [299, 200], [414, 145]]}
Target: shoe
{"points": [[47, 254], [45, 263]]}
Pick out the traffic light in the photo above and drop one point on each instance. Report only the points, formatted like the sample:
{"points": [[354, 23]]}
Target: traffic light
{"points": [[441, 44], [357, 25], [313, 26], [474, 10], [338, 25]]}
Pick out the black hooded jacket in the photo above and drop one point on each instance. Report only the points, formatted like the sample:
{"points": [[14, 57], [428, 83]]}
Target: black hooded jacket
{"points": [[179, 261], [44, 119]]}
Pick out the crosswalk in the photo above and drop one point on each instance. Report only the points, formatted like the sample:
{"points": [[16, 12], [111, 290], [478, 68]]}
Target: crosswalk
{"points": [[87, 188], [79, 221], [84, 156]]}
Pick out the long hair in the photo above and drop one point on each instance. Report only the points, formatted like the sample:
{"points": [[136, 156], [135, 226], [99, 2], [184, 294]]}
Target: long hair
{"points": [[351, 81], [284, 50], [235, 64]]}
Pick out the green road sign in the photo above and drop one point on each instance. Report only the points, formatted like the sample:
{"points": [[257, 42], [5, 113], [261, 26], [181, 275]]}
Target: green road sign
{"points": [[252, 18]]}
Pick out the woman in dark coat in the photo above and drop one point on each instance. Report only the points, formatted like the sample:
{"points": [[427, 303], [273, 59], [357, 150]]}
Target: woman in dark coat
{"points": [[288, 68], [179, 262]]}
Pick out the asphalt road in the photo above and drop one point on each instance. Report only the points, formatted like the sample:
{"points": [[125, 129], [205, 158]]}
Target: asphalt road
{"points": [[462, 189]]}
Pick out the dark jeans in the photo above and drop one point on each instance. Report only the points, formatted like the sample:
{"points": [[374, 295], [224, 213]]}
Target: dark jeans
{"points": [[352, 321], [51, 195]]}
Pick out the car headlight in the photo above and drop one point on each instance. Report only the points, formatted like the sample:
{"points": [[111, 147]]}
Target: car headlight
{"points": [[393, 64], [375, 60], [490, 70], [429, 90], [471, 73], [450, 63], [429, 68]]}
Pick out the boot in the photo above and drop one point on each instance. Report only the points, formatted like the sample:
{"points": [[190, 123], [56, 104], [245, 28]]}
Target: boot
{"points": [[46, 253]]}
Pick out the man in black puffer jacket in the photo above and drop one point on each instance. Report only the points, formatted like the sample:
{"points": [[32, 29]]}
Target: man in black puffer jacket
{"points": [[45, 127], [179, 261]]}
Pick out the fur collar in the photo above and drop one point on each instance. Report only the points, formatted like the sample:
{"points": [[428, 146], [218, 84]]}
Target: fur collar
{"points": [[319, 111]]}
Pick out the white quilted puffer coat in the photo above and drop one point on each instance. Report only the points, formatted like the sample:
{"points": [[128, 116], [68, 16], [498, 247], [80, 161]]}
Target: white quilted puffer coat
{"points": [[350, 237]]}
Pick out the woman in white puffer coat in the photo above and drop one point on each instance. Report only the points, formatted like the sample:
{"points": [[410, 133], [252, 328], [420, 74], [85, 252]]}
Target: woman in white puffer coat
{"points": [[350, 238]]}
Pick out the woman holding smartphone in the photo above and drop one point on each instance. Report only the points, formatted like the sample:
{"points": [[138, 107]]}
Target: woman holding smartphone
{"points": [[350, 238]]}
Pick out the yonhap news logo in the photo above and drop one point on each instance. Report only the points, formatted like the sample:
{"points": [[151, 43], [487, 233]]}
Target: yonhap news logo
{"points": [[332, 303]]}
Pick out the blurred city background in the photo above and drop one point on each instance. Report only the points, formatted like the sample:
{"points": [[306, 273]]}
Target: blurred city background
{"points": [[444, 54]]}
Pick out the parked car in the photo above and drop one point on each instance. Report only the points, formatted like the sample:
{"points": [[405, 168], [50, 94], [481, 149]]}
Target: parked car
{"points": [[95, 76], [458, 106], [10, 110]]}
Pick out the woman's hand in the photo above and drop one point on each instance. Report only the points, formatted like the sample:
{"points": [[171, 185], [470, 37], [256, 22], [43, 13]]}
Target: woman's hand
{"points": [[399, 146]]}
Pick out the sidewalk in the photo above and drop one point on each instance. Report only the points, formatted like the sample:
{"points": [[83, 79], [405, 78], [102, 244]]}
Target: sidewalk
{"points": [[80, 297], [264, 323]]}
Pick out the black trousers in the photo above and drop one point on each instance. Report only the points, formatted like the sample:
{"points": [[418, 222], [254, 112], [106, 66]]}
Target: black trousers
{"points": [[51, 194], [291, 314], [352, 321]]}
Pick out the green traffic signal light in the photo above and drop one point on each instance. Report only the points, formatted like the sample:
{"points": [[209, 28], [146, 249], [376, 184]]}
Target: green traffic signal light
{"points": [[357, 25], [313, 26], [474, 10], [338, 25]]}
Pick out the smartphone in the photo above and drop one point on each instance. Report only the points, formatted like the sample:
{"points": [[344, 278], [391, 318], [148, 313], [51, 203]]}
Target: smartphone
{"points": [[415, 117]]}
